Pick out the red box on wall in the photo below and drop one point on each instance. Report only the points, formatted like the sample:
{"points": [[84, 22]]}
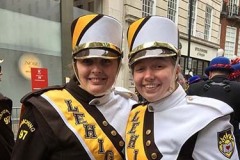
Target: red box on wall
{"points": [[39, 78]]}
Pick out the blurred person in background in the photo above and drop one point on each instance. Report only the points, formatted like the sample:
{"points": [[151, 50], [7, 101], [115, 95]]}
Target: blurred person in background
{"points": [[235, 75], [196, 78], [87, 117], [220, 87], [6, 133]]}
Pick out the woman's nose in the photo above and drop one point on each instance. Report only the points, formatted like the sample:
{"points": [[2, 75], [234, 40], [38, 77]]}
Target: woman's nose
{"points": [[149, 74], [97, 68]]}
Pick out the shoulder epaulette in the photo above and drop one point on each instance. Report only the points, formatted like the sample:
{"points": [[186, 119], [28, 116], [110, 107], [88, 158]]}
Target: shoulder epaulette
{"points": [[213, 104], [125, 93], [40, 91]]}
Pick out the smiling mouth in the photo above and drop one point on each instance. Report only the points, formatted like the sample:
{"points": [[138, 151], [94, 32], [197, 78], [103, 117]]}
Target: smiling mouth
{"points": [[97, 79], [150, 86]]}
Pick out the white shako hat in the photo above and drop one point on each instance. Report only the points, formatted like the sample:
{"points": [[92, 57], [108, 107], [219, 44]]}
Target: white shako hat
{"points": [[152, 36], [96, 36]]}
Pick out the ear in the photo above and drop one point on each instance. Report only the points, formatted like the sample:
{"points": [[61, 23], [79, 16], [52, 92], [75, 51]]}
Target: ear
{"points": [[178, 69]]}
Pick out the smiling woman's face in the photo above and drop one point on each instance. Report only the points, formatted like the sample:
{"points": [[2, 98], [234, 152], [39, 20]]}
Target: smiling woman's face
{"points": [[153, 77], [96, 75]]}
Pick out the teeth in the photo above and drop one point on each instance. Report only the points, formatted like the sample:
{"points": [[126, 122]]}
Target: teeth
{"points": [[96, 79], [150, 86]]}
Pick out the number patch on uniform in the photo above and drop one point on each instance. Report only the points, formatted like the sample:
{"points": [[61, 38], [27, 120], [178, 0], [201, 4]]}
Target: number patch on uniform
{"points": [[22, 134], [7, 120]]}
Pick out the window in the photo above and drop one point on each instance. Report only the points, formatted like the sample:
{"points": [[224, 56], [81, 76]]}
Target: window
{"points": [[193, 15], [238, 52], [172, 10], [91, 6], [233, 7], [230, 42], [86, 6], [208, 22], [147, 8]]}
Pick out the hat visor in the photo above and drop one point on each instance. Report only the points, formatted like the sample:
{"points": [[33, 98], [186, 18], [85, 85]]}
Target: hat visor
{"points": [[96, 53], [151, 53]]}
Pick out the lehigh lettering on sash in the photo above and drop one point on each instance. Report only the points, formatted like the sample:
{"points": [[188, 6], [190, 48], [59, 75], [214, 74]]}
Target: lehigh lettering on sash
{"points": [[101, 148], [109, 155], [71, 108], [134, 126], [90, 132], [135, 153], [135, 117], [79, 118], [132, 131], [132, 141]]}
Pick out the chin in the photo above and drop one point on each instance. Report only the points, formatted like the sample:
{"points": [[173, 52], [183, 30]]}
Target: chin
{"points": [[150, 99]]}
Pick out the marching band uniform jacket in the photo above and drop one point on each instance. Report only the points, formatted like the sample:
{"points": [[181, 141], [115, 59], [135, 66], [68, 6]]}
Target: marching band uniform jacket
{"points": [[181, 128], [6, 133], [219, 87], [62, 123]]}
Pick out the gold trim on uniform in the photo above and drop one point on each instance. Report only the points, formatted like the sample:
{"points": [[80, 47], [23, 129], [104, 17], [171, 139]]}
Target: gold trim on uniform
{"points": [[148, 132], [114, 133], [140, 52], [154, 155], [105, 123], [134, 142], [226, 143], [89, 45], [150, 108], [121, 143], [148, 143], [154, 45]]}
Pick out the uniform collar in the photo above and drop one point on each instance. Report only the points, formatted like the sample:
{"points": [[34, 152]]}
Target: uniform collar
{"points": [[98, 101], [168, 102]]}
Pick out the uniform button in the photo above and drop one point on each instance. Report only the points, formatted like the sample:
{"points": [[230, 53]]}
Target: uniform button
{"points": [[148, 143], [105, 123], [114, 133], [148, 132], [130, 95], [121, 143], [150, 108], [154, 155], [97, 102], [190, 98]]}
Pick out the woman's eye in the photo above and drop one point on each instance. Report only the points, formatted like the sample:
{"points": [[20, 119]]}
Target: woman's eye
{"points": [[138, 69], [158, 66], [87, 61], [105, 61]]}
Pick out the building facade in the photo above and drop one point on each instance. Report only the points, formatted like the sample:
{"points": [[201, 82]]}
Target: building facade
{"points": [[230, 28]]}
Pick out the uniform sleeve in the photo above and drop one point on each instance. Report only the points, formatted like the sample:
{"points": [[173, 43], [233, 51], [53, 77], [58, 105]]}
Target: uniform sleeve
{"points": [[216, 141], [6, 133], [30, 143]]}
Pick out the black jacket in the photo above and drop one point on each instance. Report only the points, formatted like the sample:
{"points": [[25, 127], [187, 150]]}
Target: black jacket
{"points": [[6, 133]]}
